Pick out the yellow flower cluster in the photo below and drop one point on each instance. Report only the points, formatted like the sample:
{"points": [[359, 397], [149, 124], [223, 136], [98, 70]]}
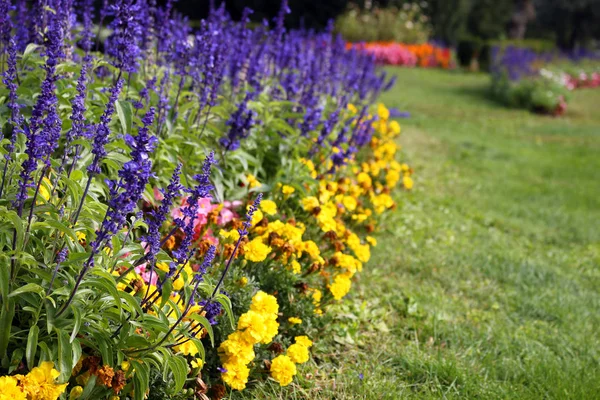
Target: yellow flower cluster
{"points": [[38, 384], [283, 367], [258, 325]]}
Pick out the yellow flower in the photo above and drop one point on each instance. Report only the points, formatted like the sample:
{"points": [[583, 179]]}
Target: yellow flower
{"points": [[287, 190], [271, 329], [188, 348], [407, 182], [44, 193], [236, 376], [392, 177], [243, 281], [268, 207], [349, 202], [283, 370], [252, 325], [340, 287], [352, 108], [303, 341], [371, 240], [395, 128], [232, 235], [298, 353], [236, 349], [197, 363], [256, 250], [294, 320], [39, 383], [252, 181], [80, 237], [125, 365], [383, 112], [9, 389], [75, 393], [256, 217], [265, 304], [310, 203], [296, 268]]}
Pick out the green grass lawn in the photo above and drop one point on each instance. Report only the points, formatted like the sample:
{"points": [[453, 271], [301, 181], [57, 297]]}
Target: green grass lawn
{"points": [[485, 283]]}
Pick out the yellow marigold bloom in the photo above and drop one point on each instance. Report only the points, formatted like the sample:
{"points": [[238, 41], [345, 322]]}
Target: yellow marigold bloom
{"points": [[371, 240], [311, 249], [9, 389], [407, 182], [317, 296], [252, 181], [405, 167], [252, 326], [257, 217], [392, 177], [364, 180], [188, 348], [236, 375], [303, 341], [349, 203], [243, 281], [125, 365], [352, 108], [296, 268], [39, 383], [287, 190], [256, 250], [298, 353], [395, 128], [363, 253], [265, 304], [294, 320], [232, 235], [268, 207], [236, 349], [340, 287], [283, 370], [197, 363], [75, 393], [383, 112], [271, 330]]}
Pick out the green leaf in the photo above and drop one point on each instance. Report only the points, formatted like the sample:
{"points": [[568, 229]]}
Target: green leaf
{"points": [[205, 324], [178, 366], [4, 278], [125, 113], [141, 379], [65, 355], [32, 342], [89, 387], [226, 303], [6, 317], [77, 325], [30, 287]]}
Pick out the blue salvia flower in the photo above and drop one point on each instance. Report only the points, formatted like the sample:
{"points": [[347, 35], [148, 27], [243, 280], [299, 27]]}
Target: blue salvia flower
{"points": [[5, 23], [123, 46], [243, 231], [160, 215], [102, 131], [240, 123], [127, 191], [87, 17], [77, 115], [212, 310], [206, 263], [190, 214]]}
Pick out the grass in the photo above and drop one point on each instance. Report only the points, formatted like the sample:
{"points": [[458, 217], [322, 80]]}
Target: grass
{"points": [[485, 283]]}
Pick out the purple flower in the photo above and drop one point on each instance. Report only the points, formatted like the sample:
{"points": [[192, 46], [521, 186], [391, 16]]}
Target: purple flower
{"points": [[251, 210], [123, 46], [125, 193], [87, 15], [240, 123], [77, 114], [190, 214], [101, 137]]}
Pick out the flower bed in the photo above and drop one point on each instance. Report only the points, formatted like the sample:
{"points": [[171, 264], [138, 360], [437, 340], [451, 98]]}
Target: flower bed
{"points": [[541, 82], [179, 213], [409, 55]]}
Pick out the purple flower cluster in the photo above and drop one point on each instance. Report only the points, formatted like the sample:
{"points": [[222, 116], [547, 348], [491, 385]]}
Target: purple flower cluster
{"points": [[240, 123], [127, 191], [123, 45]]}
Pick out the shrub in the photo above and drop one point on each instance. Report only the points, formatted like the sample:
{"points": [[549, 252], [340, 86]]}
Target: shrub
{"points": [[407, 24]]}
